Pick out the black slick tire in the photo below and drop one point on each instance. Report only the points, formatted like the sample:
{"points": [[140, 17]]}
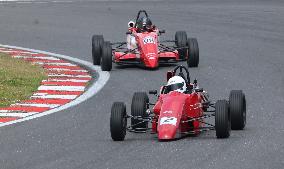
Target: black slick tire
{"points": [[193, 52], [237, 106], [139, 106], [97, 42], [106, 60], [118, 121], [222, 119], [181, 41]]}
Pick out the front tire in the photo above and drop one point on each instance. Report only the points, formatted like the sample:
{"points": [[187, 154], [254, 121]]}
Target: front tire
{"points": [[181, 41], [118, 121], [139, 107], [193, 52], [222, 119], [97, 43], [237, 105], [106, 60]]}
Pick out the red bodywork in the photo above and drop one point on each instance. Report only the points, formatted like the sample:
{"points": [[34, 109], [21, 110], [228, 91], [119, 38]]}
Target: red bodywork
{"points": [[172, 112], [147, 49]]}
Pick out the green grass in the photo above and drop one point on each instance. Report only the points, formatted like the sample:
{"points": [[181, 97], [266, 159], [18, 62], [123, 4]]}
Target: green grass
{"points": [[18, 79]]}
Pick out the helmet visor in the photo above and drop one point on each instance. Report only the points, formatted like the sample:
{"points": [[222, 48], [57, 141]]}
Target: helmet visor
{"points": [[175, 86]]}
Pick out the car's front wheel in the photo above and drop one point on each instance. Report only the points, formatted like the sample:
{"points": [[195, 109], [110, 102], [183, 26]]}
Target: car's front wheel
{"points": [[222, 119], [237, 106], [139, 107], [106, 60], [97, 43], [181, 41], [118, 121], [193, 52]]}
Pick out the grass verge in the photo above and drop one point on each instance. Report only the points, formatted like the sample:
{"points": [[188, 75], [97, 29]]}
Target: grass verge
{"points": [[18, 79]]}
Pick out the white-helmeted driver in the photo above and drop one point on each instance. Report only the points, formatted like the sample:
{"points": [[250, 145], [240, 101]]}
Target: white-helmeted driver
{"points": [[176, 83], [130, 39]]}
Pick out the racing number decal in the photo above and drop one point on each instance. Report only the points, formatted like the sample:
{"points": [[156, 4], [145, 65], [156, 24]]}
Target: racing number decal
{"points": [[168, 120], [168, 112], [148, 39]]}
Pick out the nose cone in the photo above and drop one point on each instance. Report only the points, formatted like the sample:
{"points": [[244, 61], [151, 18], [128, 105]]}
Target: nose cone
{"points": [[167, 132], [153, 62], [171, 113]]}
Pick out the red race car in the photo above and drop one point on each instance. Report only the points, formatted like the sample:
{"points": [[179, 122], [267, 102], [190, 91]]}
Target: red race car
{"points": [[143, 47], [181, 109]]}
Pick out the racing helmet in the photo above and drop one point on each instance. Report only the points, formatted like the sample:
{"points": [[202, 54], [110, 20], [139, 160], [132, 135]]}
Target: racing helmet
{"points": [[176, 83], [144, 23]]}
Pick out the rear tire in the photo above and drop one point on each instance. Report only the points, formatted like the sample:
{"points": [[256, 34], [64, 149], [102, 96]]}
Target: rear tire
{"points": [[97, 43], [118, 121], [193, 52], [237, 106], [222, 119], [139, 106], [181, 41], [106, 60]]}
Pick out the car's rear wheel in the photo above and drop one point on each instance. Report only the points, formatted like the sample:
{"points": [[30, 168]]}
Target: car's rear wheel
{"points": [[222, 119], [193, 52], [139, 107], [106, 60], [237, 106], [118, 121], [97, 43], [181, 41]]}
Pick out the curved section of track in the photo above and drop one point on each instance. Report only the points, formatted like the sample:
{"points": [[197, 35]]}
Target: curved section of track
{"points": [[66, 86], [241, 47]]}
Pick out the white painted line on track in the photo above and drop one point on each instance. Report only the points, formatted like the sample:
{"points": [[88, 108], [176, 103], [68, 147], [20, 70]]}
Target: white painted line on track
{"points": [[53, 96], [60, 69], [37, 105], [64, 75], [17, 114], [20, 56], [44, 57], [14, 111], [65, 80], [62, 88], [35, 57], [92, 90], [22, 53], [54, 63], [5, 111]]}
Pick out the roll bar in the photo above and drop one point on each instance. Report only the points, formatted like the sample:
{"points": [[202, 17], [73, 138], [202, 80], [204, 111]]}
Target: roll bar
{"points": [[181, 68], [138, 15]]}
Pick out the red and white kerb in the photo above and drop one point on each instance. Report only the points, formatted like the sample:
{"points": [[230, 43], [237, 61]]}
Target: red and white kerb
{"points": [[66, 81]]}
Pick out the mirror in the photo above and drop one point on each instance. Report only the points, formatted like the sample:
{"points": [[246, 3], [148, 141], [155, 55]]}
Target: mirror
{"points": [[162, 31], [153, 92], [169, 75], [198, 90]]}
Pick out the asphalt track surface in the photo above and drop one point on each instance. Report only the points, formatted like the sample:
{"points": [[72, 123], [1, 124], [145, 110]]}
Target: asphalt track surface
{"points": [[241, 47]]}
